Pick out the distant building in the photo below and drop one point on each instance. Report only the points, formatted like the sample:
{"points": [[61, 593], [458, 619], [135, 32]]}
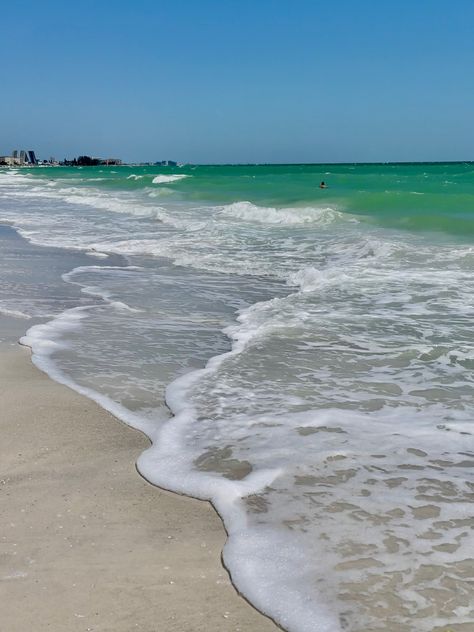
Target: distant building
{"points": [[8, 160], [19, 158]]}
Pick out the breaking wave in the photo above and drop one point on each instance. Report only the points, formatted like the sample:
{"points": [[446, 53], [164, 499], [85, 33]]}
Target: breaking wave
{"points": [[161, 179], [267, 215]]}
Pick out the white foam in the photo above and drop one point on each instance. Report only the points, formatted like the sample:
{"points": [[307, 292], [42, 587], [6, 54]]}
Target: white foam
{"points": [[96, 290], [159, 192], [46, 339], [14, 313], [310, 279], [164, 179], [98, 255], [285, 216]]}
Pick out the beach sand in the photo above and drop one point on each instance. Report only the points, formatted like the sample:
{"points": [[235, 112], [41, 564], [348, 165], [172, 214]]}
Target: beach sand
{"points": [[86, 542]]}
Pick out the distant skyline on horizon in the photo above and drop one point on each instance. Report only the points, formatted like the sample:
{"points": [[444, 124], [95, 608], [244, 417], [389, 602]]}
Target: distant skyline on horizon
{"points": [[178, 164], [268, 82]]}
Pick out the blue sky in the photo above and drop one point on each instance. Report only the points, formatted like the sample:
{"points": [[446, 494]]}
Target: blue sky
{"points": [[239, 80]]}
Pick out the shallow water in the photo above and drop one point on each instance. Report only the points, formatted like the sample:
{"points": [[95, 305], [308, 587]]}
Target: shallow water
{"points": [[315, 348]]}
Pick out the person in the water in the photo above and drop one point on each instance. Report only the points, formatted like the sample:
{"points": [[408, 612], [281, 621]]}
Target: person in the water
{"points": [[323, 185]]}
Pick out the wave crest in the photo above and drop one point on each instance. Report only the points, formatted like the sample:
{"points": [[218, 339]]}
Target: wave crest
{"points": [[291, 215], [161, 179]]}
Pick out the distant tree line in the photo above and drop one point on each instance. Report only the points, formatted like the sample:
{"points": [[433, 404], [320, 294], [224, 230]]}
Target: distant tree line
{"points": [[83, 161], [87, 161]]}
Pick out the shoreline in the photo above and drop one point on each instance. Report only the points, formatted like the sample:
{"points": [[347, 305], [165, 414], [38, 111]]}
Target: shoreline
{"points": [[89, 544]]}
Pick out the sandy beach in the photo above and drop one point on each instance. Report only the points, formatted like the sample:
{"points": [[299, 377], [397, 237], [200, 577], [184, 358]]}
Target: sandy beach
{"points": [[87, 544]]}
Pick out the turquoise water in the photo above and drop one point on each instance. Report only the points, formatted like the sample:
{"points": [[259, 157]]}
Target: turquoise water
{"points": [[416, 196], [302, 357]]}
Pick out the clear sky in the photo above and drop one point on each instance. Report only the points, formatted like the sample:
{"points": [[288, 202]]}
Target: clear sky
{"points": [[239, 80]]}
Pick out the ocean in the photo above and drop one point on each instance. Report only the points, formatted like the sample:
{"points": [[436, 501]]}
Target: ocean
{"points": [[301, 357]]}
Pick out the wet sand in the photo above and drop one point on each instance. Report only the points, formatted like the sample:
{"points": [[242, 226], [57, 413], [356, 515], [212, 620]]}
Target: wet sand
{"points": [[86, 543]]}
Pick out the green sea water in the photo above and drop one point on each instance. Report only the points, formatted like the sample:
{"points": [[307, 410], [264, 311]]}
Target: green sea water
{"points": [[412, 196]]}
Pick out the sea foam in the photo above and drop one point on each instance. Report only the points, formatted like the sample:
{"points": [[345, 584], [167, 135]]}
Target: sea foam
{"points": [[164, 179], [286, 216]]}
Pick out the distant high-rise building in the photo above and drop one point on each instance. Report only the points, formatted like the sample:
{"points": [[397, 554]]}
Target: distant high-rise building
{"points": [[32, 157], [15, 154], [23, 157]]}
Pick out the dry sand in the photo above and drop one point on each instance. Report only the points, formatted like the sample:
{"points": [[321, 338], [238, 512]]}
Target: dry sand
{"points": [[86, 543]]}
